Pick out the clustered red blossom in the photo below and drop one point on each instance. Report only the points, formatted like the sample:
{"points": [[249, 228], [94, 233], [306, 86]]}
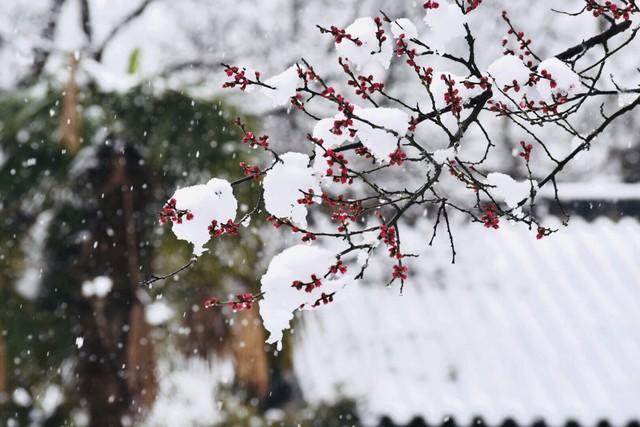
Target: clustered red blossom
{"points": [[242, 301], [484, 83], [340, 124], [400, 271], [307, 199], [211, 302], [239, 77], [473, 4], [309, 286], [500, 108], [558, 100], [397, 157], [344, 106], [307, 75], [324, 299], [543, 106], [366, 84], [430, 4], [542, 232], [527, 105], [453, 170], [343, 211], [297, 101], [275, 222], [413, 123], [388, 235], [461, 176], [424, 74], [309, 237], [401, 46], [522, 40], [609, 7], [534, 78], [337, 159], [364, 152], [170, 213], [315, 282], [380, 36], [328, 91], [252, 171], [250, 139], [490, 217], [514, 85], [317, 141], [340, 34], [338, 267], [547, 76], [451, 96], [526, 151], [218, 229]]}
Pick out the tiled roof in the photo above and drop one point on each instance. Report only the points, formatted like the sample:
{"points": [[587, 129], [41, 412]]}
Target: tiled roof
{"points": [[517, 328], [590, 191]]}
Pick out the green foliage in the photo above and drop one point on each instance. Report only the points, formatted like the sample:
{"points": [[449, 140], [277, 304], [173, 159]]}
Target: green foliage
{"points": [[134, 61], [340, 413], [182, 141]]}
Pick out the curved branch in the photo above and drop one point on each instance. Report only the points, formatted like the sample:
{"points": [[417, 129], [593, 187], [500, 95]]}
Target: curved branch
{"points": [[588, 139], [613, 31]]}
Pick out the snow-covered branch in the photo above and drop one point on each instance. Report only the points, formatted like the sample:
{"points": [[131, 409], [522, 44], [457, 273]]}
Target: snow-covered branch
{"points": [[351, 186]]}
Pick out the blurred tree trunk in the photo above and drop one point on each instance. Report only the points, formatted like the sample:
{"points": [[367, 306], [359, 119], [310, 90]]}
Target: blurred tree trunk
{"points": [[69, 125], [140, 355], [117, 362], [208, 333], [141, 377], [250, 358], [3, 364]]}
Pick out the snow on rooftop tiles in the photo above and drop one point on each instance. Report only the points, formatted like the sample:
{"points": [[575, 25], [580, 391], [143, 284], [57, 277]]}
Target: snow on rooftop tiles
{"points": [[517, 328], [590, 191]]}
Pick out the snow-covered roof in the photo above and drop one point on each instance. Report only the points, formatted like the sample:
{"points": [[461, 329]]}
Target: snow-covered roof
{"points": [[517, 328], [590, 191]]}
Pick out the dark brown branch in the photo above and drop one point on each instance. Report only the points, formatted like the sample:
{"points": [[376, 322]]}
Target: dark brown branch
{"points": [[594, 41], [477, 109], [153, 279], [587, 142]]}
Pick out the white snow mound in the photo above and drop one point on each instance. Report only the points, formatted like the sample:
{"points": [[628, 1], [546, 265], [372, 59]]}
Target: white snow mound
{"points": [[380, 142], [281, 300], [283, 185], [213, 201]]}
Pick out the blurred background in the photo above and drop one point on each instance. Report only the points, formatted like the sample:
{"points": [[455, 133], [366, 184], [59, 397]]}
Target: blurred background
{"points": [[107, 106]]}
